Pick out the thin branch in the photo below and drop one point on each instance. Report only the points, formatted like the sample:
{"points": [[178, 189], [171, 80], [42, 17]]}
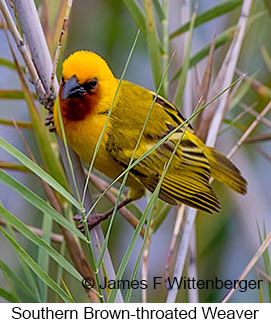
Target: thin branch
{"points": [[24, 51], [176, 231], [257, 86], [145, 264], [250, 110], [54, 237], [250, 265], [258, 138], [59, 46], [263, 153], [263, 274], [182, 252], [230, 62], [193, 293], [250, 129]]}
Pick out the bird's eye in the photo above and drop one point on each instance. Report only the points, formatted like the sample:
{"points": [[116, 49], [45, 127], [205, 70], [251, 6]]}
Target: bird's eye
{"points": [[91, 85]]}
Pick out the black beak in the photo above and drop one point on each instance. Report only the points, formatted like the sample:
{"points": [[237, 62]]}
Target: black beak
{"points": [[72, 89]]}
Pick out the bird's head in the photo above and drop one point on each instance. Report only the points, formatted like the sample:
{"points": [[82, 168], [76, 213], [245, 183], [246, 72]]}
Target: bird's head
{"points": [[87, 83]]}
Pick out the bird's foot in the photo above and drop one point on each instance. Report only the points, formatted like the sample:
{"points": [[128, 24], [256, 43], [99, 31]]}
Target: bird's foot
{"points": [[50, 122], [95, 219], [92, 221]]}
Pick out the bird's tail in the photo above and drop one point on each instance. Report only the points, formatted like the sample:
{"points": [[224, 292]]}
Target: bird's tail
{"points": [[224, 171]]}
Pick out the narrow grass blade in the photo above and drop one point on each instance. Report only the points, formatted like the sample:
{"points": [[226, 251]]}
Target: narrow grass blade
{"points": [[24, 230], [12, 95], [267, 6], [130, 248], [20, 124], [136, 13], [22, 287], [39, 203], [13, 166], [266, 57], [159, 217], [28, 274], [180, 87], [266, 257], [153, 45], [8, 296], [208, 15], [249, 267], [36, 268], [7, 63], [43, 255], [10, 285], [158, 9], [165, 43], [241, 91], [38, 171]]}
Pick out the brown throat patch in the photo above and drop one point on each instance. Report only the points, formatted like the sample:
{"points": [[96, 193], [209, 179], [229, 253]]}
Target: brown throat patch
{"points": [[76, 109]]}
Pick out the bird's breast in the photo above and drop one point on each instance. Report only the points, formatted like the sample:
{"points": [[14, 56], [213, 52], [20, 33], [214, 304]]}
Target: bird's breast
{"points": [[83, 136]]}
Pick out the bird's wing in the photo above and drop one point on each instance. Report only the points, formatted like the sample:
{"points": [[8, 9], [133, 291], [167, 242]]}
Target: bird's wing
{"points": [[187, 179], [171, 110]]}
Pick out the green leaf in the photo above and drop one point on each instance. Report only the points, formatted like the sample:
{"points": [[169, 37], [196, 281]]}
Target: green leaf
{"points": [[153, 46], [266, 257], [36, 268], [137, 14], [159, 10], [25, 231], [21, 124], [18, 283], [159, 217], [7, 63], [242, 91], [8, 296], [266, 57], [13, 166], [180, 87], [267, 6], [43, 255], [12, 95], [29, 279], [131, 246], [208, 15], [38, 171], [39, 203]]}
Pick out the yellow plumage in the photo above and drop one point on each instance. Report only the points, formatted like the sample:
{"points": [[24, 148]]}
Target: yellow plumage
{"points": [[85, 97]]}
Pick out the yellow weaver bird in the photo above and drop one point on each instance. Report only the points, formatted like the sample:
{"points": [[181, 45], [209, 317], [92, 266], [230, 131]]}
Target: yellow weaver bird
{"points": [[85, 96]]}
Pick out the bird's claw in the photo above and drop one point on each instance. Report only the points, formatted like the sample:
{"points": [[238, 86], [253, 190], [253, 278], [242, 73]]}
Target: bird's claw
{"points": [[50, 122], [77, 217], [92, 221]]}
